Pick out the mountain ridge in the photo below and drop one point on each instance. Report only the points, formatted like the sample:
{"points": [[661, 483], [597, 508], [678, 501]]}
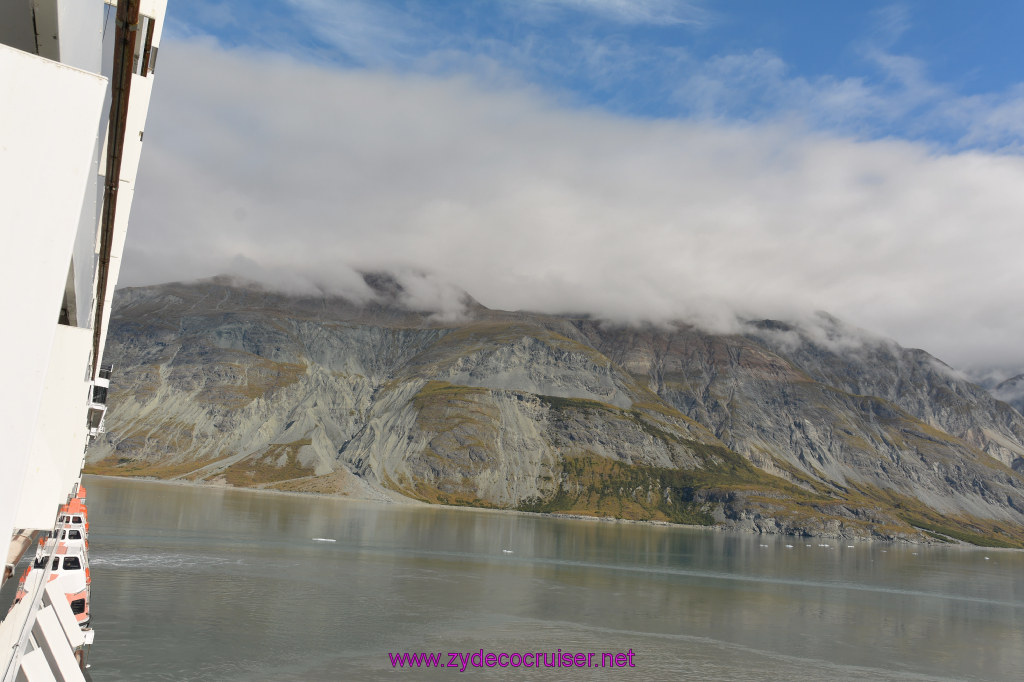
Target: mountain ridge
{"points": [[776, 429]]}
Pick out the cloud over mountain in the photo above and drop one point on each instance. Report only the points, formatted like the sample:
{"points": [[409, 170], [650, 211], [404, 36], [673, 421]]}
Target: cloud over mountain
{"points": [[527, 203]]}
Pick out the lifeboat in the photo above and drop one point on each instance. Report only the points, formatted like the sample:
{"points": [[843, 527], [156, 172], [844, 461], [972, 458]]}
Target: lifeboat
{"points": [[69, 565], [65, 551], [71, 559], [73, 521]]}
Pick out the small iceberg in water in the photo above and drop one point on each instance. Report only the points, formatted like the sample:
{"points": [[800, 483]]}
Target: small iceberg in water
{"points": [[324, 540]]}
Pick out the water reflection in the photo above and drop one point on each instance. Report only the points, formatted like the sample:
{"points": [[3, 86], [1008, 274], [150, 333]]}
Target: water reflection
{"points": [[212, 584]]}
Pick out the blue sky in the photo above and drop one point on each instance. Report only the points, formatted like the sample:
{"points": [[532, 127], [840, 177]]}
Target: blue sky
{"points": [[641, 161], [916, 70]]}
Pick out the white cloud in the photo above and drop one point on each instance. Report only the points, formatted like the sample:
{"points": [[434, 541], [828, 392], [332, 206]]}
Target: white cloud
{"points": [[895, 96], [758, 86], [529, 205]]}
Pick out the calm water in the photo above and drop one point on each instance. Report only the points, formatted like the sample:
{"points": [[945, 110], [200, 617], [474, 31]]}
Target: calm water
{"points": [[207, 584]]}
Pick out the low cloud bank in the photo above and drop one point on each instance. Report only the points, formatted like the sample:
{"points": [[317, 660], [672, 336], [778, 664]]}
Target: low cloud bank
{"points": [[260, 165]]}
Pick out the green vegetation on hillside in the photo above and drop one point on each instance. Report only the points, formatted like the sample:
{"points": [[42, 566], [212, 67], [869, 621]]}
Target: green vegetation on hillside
{"points": [[963, 527], [267, 466]]}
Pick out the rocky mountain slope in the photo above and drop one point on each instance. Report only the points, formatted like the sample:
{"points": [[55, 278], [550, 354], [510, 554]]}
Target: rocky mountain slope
{"points": [[813, 428]]}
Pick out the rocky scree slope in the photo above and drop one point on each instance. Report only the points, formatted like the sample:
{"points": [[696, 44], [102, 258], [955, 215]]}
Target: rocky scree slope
{"points": [[782, 429]]}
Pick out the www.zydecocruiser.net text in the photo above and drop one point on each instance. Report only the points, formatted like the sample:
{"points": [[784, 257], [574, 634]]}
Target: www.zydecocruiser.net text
{"points": [[463, 660]]}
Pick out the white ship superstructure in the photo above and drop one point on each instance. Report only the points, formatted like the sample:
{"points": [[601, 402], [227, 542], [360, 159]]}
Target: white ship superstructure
{"points": [[75, 84]]}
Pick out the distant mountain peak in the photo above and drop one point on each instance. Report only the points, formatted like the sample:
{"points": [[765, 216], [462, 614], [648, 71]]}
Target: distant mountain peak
{"points": [[384, 284]]}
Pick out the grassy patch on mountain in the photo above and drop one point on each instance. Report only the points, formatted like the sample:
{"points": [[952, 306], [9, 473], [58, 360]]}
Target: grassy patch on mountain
{"points": [[641, 413], [231, 385], [454, 492], [581, 404], [267, 466], [471, 338], [652, 404], [334, 483], [166, 439], [435, 393], [449, 492], [460, 423], [797, 474], [963, 527], [598, 486], [141, 384], [490, 336], [116, 465]]}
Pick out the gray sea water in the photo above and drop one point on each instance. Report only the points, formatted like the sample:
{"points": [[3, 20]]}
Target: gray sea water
{"points": [[213, 584]]}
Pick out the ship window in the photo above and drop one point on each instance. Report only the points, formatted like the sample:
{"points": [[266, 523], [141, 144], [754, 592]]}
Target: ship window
{"points": [[78, 606], [63, 535], [71, 563], [75, 534], [144, 59], [39, 563], [78, 519], [99, 395], [56, 563]]}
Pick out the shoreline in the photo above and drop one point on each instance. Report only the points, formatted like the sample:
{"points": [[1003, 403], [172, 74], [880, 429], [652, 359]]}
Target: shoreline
{"points": [[408, 502]]}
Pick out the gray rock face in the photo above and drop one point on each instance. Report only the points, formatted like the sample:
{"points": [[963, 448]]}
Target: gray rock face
{"points": [[911, 379], [813, 428], [867, 414]]}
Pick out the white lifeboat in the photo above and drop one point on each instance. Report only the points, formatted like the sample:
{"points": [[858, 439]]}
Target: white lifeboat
{"points": [[65, 551]]}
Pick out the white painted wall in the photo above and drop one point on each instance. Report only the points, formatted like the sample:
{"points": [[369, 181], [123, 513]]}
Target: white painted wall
{"points": [[58, 444], [80, 23], [85, 242], [48, 121], [81, 45]]}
